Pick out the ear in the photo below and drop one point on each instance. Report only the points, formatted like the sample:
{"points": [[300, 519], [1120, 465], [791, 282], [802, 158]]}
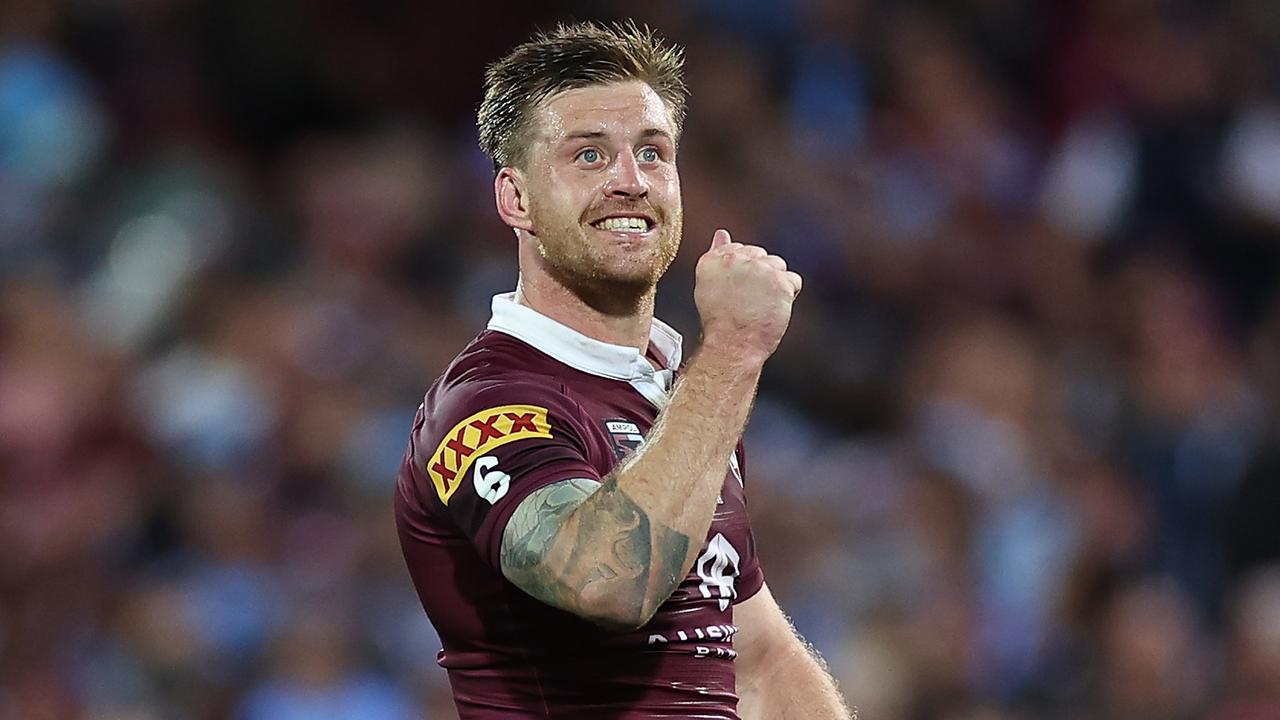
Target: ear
{"points": [[509, 195]]}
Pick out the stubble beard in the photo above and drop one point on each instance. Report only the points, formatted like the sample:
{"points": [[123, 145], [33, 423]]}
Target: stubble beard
{"points": [[585, 268]]}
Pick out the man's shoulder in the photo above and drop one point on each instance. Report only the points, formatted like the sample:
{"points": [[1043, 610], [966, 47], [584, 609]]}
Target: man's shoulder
{"points": [[494, 366], [493, 394], [497, 384]]}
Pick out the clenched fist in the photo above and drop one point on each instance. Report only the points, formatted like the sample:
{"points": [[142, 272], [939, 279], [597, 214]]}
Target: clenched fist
{"points": [[744, 296]]}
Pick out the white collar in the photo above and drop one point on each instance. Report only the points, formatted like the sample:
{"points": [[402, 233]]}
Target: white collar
{"points": [[619, 362]]}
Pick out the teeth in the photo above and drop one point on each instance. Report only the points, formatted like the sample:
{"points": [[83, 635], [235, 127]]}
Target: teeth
{"points": [[624, 224]]}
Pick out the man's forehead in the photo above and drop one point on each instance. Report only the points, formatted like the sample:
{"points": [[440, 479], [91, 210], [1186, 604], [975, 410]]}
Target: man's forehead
{"points": [[615, 109]]}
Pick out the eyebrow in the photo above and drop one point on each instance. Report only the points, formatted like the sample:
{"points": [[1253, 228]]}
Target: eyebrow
{"points": [[585, 135], [598, 134]]}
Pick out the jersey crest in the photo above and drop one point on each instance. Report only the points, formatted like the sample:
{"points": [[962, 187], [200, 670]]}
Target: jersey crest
{"points": [[626, 437]]}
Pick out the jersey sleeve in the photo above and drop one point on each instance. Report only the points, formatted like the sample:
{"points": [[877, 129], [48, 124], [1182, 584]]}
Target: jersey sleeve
{"points": [[483, 448]]}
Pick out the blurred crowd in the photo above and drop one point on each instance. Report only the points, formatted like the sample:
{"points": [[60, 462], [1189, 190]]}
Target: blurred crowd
{"points": [[1016, 458]]}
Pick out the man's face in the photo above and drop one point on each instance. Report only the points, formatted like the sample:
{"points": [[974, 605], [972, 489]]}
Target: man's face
{"points": [[602, 188]]}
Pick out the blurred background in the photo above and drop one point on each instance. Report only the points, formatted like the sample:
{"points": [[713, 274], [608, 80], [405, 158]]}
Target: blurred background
{"points": [[1016, 458]]}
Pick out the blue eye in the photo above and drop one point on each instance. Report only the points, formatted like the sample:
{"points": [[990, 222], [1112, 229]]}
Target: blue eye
{"points": [[649, 155], [591, 156]]}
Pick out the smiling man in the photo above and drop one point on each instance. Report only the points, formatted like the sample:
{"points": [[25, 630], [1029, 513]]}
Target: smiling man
{"points": [[571, 506]]}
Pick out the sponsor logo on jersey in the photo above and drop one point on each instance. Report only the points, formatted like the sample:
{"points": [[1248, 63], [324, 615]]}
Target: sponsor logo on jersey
{"points": [[479, 435], [626, 436], [712, 633]]}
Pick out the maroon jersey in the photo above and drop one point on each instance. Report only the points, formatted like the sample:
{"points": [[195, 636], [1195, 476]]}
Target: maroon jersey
{"points": [[528, 403]]}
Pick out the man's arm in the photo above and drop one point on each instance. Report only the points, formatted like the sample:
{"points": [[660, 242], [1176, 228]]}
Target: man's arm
{"points": [[780, 677], [613, 554]]}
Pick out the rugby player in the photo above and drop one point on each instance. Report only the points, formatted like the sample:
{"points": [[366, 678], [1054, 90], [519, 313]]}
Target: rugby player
{"points": [[571, 504]]}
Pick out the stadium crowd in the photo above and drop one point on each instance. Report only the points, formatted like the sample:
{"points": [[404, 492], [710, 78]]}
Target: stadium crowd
{"points": [[1015, 459]]}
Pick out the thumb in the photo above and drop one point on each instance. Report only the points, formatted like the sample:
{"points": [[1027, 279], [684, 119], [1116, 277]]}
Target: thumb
{"points": [[720, 239]]}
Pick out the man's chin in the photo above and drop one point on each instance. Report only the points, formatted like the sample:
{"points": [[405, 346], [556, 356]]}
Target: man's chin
{"points": [[613, 292], [617, 280]]}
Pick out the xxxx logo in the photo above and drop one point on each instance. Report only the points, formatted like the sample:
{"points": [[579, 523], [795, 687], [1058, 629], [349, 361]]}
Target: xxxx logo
{"points": [[480, 434]]}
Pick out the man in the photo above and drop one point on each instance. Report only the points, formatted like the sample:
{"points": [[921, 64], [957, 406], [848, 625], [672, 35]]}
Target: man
{"points": [[571, 506]]}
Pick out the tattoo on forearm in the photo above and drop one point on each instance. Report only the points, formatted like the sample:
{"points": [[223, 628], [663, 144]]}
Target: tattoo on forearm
{"points": [[617, 551]]}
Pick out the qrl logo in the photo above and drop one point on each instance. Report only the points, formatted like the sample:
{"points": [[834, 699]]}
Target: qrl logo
{"points": [[718, 568]]}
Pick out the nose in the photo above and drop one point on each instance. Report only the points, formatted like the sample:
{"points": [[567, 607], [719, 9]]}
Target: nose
{"points": [[626, 179]]}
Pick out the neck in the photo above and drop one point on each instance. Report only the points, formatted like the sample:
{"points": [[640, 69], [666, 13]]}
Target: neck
{"points": [[543, 293]]}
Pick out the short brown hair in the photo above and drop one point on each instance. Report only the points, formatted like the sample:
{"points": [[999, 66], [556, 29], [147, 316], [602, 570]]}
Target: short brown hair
{"points": [[570, 57]]}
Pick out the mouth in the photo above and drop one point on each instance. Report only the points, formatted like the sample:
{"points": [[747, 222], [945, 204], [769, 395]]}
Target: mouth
{"points": [[629, 225]]}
